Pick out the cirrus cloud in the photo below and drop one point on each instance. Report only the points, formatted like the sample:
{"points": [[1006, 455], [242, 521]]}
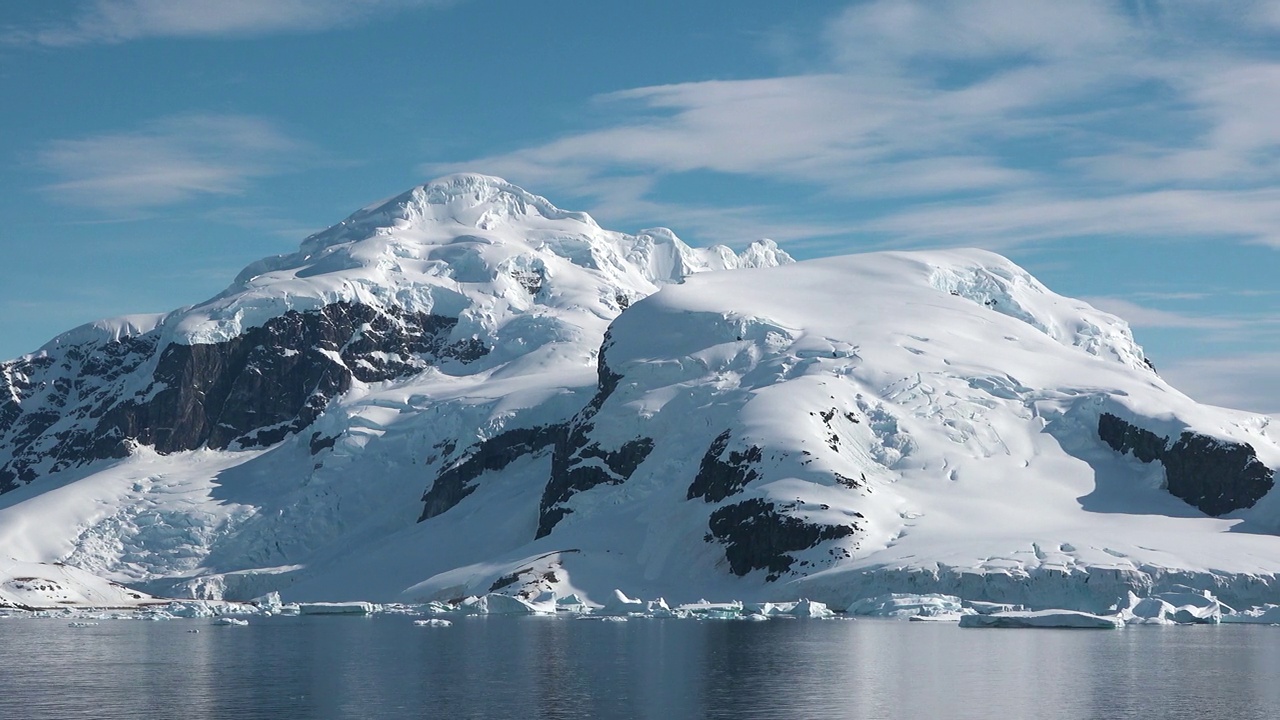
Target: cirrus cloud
{"points": [[990, 122], [167, 161], [115, 21]]}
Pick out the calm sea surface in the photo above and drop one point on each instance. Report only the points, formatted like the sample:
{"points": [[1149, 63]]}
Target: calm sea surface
{"points": [[385, 667]]}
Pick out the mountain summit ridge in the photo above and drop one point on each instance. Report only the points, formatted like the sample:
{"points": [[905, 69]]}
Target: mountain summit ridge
{"points": [[465, 388]]}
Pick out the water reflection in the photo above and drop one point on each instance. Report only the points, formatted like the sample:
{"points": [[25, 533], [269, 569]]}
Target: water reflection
{"points": [[558, 668]]}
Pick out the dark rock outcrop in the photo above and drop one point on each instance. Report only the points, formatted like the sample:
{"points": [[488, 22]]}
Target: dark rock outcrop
{"points": [[573, 471], [578, 463], [758, 536], [1213, 475], [719, 476], [456, 482], [92, 401]]}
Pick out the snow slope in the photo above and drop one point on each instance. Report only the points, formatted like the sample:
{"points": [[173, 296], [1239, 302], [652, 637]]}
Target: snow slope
{"points": [[40, 586], [600, 410]]}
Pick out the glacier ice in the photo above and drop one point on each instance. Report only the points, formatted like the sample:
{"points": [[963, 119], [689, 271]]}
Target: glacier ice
{"points": [[602, 410]]}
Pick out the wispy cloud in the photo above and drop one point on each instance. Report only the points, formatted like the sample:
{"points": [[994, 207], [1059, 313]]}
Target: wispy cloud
{"points": [[1142, 316], [114, 21], [165, 162], [1019, 217], [991, 122], [1241, 381]]}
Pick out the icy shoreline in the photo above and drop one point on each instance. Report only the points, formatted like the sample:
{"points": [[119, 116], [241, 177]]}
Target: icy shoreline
{"points": [[1183, 606]]}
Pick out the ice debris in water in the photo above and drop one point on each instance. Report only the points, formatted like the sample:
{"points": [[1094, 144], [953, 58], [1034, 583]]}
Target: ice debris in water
{"points": [[336, 608], [1178, 606], [1262, 615], [1174, 605], [1043, 619]]}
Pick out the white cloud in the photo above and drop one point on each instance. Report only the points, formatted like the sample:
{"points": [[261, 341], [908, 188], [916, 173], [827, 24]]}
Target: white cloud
{"points": [[112, 21], [974, 29], [1021, 217], [989, 122], [1247, 382], [1140, 316], [168, 161]]}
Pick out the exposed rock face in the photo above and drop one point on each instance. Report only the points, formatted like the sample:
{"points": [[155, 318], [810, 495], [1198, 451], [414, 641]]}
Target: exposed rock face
{"points": [[719, 476], [1215, 476], [579, 463], [455, 483], [573, 470], [50, 404], [251, 390], [758, 536]]}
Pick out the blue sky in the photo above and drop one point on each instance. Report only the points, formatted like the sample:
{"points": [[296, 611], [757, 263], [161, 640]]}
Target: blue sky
{"points": [[1123, 151]]}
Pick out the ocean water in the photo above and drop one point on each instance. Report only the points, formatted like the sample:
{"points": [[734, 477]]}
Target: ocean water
{"points": [[530, 667]]}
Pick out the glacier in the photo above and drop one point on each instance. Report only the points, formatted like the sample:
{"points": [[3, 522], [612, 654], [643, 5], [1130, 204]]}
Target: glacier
{"points": [[465, 391]]}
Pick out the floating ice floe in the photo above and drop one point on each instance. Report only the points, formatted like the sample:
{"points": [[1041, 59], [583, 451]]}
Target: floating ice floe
{"points": [[336, 608], [571, 603], [987, 608], [498, 604], [621, 604], [230, 621], [1179, 606], [432, 622], [811, 609], [1261, 615], [1043, 619], [82, 624], [269, 603]]}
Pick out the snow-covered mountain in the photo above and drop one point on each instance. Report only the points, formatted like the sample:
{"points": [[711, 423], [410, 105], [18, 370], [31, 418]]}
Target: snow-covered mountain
{"points": [[467, 389]]}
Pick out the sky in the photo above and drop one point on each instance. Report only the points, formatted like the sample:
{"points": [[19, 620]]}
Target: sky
{"points": [[1126, 152]]}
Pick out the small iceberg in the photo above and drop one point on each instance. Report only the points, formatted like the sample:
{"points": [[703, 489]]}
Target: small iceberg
{"points": [[82, 624], [433, 622], [335, 608], [621, 604], [811, 609], [1181, 606], [498, 604], [230, 621], [1043, 619], [1260, 615]]}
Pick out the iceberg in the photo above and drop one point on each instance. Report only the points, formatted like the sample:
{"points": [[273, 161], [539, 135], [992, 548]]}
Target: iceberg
{"points": [[1043, 619], [1260, 615], [335, 608]]}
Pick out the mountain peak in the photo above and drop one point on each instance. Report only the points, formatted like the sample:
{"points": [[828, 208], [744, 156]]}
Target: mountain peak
{"points": [[471, 200]]}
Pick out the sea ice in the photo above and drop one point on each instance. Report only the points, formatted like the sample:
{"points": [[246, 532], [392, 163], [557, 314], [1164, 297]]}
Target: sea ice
{"points": [[1042, 619], [336, 608], [1180, 606], [622, 604], [811, 609], [499, 604], [1260, 615]]}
